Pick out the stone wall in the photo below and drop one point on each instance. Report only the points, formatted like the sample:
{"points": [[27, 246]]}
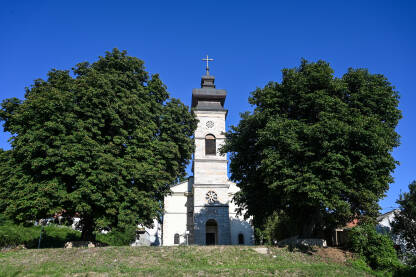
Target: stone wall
{"points": [[218, 213]]}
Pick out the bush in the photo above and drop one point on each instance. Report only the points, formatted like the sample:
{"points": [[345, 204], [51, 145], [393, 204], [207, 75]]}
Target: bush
{"points": [[278, 226], [360, 264], [117, 237], [12, 235], [377, 249], [404, 224], [54, 236], [406, 271]]}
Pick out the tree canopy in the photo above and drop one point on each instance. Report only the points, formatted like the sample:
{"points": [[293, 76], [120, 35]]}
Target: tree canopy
{"points": [[103, 141], [316, 148], [404, 224]]}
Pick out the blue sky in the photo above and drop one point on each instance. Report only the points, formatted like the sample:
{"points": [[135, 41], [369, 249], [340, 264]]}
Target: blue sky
{"points": [[251, 41]]}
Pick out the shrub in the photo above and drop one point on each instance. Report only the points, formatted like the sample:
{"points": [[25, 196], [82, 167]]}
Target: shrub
{"points": [[12, 235], [377, 249], [361, 264], [406, 271], [118, 237], [404, 224], [56, 236], [277, 226]]}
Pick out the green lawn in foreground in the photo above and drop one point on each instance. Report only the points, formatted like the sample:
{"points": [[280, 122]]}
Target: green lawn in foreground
{"points": [[168, 261]]}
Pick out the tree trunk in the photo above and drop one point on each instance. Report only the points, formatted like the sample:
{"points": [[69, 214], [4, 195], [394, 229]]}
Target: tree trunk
{"points": [[312, 221], [87, 227]]}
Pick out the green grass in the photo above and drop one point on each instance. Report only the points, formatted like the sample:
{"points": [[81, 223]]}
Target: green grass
{"points": [[170, 261]]}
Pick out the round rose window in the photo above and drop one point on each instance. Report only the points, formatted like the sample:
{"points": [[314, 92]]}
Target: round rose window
{"points": [[211, 197]]}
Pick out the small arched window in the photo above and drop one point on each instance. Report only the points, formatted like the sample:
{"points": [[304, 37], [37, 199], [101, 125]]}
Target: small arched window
{"points": [[210, 145], [176, 239], [240, 238]]}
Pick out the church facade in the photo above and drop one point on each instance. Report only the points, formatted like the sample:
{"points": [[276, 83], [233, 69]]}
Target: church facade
{"points": [[201, 211]]}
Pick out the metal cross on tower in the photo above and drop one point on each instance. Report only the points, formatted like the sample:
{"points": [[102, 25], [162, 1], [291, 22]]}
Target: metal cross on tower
{"points": [[208, 60]]}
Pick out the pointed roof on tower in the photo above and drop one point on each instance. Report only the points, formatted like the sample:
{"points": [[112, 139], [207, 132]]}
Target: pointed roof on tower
{"points": [[208, 97]]}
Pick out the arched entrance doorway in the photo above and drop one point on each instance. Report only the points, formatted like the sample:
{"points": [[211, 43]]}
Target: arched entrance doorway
{"points": [[211, 232]]}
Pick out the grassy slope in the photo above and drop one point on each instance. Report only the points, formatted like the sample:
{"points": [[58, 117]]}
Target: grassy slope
{"points": [[172, 261]]}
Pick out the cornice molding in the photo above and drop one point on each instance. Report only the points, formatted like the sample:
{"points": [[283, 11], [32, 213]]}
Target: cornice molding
{"points": [[211, 186], [211, 160], [216, 137], [211, 206], [180, 193]]}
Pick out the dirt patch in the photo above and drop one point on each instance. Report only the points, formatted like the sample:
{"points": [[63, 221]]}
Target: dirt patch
{"points": [[261, 250], [333, 254]]}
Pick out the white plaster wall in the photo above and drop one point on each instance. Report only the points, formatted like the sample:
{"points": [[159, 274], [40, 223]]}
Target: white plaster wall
{"points": [[176, 203], [183, 187], [154, 233], [175, 217], [237, 222], [386, 221], [172, 224], [231, 191], [240, 226]]}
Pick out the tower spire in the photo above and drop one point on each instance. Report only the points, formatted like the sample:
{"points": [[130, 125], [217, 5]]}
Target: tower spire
{"points": [[207, 81], [207, 59]]}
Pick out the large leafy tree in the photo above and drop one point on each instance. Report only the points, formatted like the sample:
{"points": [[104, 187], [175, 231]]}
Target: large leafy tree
{"points": [[404, 224], [5, 173], [316, 148], [103, 142]]}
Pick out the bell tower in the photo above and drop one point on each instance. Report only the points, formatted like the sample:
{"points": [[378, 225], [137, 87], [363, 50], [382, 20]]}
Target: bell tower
{"points": [[210, 187]]}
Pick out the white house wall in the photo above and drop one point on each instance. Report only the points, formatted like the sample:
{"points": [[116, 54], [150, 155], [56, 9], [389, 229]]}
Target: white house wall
{"points": [[174, 224], [239, 225], [175, 217]]}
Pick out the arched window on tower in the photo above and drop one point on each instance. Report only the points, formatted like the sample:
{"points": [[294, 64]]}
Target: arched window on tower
{"points": [[210, 145], [240, 238], [176, 239]]}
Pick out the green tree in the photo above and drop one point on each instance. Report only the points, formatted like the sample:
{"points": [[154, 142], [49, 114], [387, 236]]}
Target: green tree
{"points": [[404, 224], [5, 172], [377, 249], [104, 142], [316, 147]]}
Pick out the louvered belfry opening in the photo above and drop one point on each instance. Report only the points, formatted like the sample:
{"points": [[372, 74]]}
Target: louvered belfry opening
{"points": [[210, 145]]}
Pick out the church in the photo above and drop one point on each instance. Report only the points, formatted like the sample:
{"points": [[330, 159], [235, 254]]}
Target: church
{"points": [[200, 210]]}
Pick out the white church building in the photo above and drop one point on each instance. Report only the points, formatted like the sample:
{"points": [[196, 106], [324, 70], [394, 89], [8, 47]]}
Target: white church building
{"points": [[201, 211]]}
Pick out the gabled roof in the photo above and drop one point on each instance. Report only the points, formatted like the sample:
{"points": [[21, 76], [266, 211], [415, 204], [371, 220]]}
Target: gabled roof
{"points": [[185, 186], [388, 214]]}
